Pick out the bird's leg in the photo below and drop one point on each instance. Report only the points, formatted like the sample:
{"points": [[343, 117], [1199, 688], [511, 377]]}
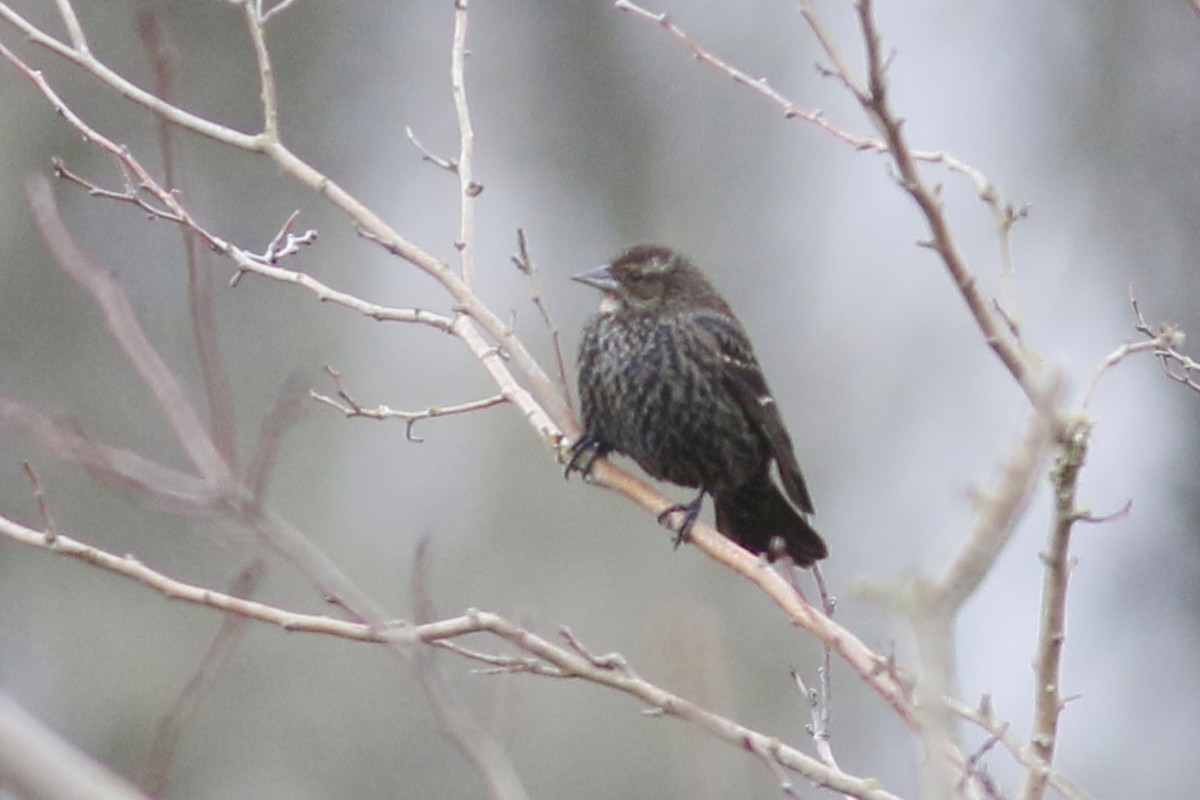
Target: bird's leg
{"points": [[587, 444], [690, 511]]}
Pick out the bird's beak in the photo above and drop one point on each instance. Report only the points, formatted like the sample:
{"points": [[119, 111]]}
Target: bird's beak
{"points": [[600, 278]]}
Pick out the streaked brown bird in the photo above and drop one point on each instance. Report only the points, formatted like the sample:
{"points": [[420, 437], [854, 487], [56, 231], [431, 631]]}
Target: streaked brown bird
{"points": [[667, 377]]}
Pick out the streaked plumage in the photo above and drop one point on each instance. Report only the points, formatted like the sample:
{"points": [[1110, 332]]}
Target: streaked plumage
{"points": [[667, 376]]}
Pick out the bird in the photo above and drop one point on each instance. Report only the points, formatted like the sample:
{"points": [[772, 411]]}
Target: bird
{"points": [[667, 376]]}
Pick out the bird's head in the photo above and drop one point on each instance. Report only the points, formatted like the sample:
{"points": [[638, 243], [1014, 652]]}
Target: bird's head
{"points": [[649, 277]]}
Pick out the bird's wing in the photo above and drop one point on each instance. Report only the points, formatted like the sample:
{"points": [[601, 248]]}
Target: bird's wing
{"points": [[745, 379]]}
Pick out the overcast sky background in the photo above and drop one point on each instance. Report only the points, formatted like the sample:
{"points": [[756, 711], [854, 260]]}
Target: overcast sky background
{"points": [[595, 131]]}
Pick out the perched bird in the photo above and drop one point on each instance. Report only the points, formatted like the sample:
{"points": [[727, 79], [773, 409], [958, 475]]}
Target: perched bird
{"points": [[667, 377]]}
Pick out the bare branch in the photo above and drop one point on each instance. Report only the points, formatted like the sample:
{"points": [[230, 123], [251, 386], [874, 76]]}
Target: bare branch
{"points": [[36, 762], [524, 263], [71, 21], [849, 647], [1169, 356], [123, 325], [984, 718], [218, 392], [282, 6], [543, 405], [287, 243], [465, 169], [1159, 344], [172, 725], [130, 195], [458, 723], [987, 191], [820, 701], [1048, 702], [351, 408], [999, 510], [48, 526], [154, 484], [84, 60], [767, 756], [975, 770], [266, 73], [567, 660], [288, 408], [426, 155], [875, 101]]}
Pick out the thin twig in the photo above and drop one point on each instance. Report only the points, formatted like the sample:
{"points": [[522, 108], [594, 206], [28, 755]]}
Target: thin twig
{"points": [[171, 727], [525, 264], [275, 425], [821, 701], [1158, 344], [351, 408], [985, 719], [1174, 338], [767, 756], [266, 73], [282, 6], [426, 155], [459, 724], [71, 22], [465, 168], [977, 772], [50, 530], [984, 188], [130, 195]]}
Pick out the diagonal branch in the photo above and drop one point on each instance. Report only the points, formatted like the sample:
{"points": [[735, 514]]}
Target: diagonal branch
{"points": [[572, 661], [215, 378], [553, 417], [123, 325]]}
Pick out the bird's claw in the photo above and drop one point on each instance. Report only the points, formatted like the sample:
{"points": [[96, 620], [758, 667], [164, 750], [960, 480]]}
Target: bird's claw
{"points": [[585, 444], [690, 512]]}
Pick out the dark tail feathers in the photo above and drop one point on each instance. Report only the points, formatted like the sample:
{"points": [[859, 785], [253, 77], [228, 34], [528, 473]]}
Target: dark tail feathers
{"points": [[756, 513]]}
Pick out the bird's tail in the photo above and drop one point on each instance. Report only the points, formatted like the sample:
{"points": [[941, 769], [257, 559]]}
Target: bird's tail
{"points": [[757, 513]]}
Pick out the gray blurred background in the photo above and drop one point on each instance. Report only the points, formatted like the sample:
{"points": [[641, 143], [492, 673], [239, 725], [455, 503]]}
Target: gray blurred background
{"points": [[596, 131]]}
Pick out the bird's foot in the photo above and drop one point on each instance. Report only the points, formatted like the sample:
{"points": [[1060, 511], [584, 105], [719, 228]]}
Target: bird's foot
{"points": [[690, 512], [587, 447]]}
